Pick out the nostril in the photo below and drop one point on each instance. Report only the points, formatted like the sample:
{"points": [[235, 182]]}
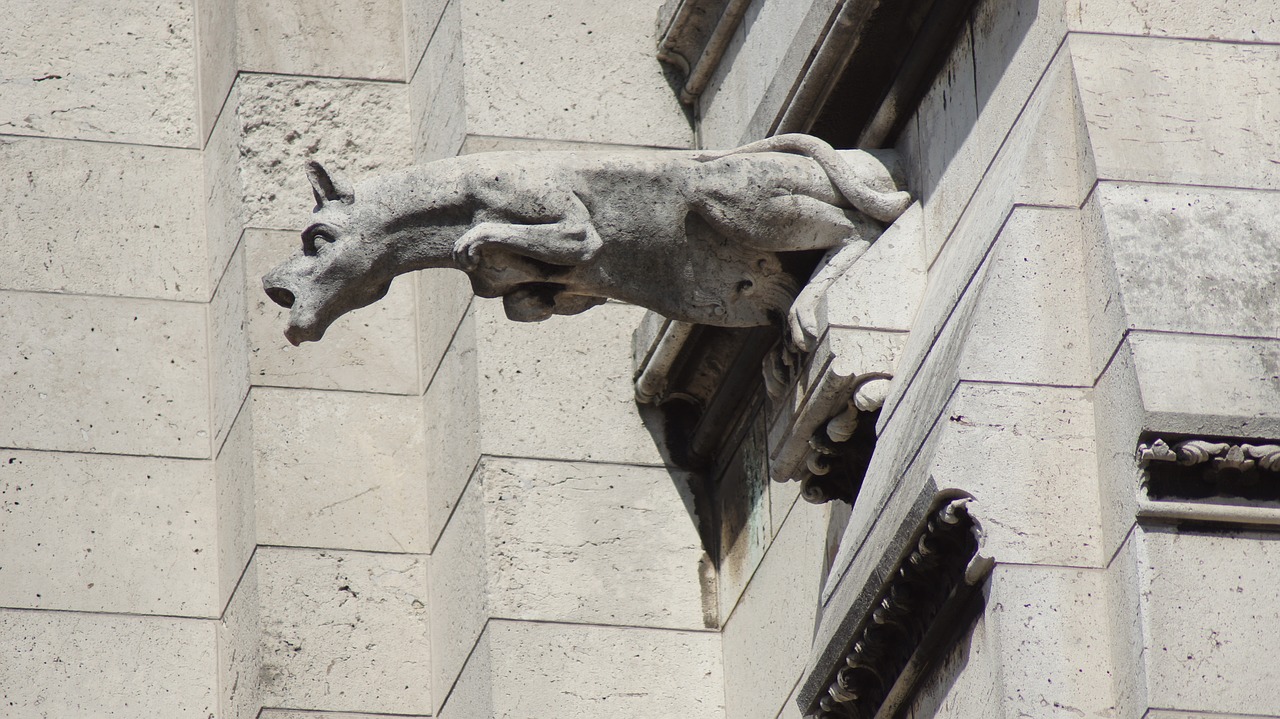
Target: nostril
{"points": [[280, 296]]}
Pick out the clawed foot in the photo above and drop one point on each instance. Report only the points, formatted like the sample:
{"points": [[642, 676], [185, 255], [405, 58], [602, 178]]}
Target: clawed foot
{"points": [[466, 252], [802, 320]]}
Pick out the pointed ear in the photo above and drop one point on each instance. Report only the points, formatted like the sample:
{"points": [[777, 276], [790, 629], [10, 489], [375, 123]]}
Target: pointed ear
{"points": [[326, 188]]}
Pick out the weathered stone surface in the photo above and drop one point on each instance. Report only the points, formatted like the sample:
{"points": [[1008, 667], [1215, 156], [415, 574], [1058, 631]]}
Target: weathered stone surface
{"points": [[108, 533], [1180, 111], [216, 39], [516, 88], [125, 72], [438, 94], [1209, 610], [145, 393], [69, 664], [294, 714], [451, 420], [744, 519], [472, 695], [421, 20], [135, 227], [360, 127], [443, 300], [765, 640], [235, 497], [228, 350], [459, 581], [1118, 421], [339, 469], [1030, 325], [966, 681], [593, 543], [883, 289], [367, 350], [1208, 385], [1243, 21], [362, 39], [1027, 456], [223, 190], [344, 631], [240, 652], [541, 670], [1211, 248]]}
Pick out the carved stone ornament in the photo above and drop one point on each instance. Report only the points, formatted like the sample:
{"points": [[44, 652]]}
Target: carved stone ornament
{"points": [[918, 613], [697, 237], [1211, 470]]}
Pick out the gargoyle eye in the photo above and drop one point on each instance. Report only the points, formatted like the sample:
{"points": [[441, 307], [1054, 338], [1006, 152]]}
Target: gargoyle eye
{"points": [[309, 241]]}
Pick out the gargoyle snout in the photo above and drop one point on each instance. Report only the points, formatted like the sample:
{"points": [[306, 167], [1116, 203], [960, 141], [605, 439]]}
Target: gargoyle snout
{"points": [[275, 288]]}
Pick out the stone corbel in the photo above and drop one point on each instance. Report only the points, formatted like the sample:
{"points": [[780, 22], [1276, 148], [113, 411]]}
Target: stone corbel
{"points": [[821, 400]]}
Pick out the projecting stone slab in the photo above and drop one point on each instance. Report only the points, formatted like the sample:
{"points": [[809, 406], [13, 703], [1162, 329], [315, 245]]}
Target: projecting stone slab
{"points": [[108, 533], [68, 664], [134, 228], [145, 393], [362, 40], [125, 72], [366, 351], [339, 469], [344, 631], [1180, 111], [1208, 602]]}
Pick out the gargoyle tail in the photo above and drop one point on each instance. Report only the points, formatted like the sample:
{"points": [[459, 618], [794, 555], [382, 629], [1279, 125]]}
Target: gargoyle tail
{"points": [[881, 205]]}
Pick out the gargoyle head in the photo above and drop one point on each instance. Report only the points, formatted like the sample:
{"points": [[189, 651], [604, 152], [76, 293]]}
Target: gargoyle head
{"points": [[335, 271]]}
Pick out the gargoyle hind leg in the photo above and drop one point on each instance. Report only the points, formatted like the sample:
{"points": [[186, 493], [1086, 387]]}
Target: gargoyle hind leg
{"points": [[787, 223], [570, 241]]}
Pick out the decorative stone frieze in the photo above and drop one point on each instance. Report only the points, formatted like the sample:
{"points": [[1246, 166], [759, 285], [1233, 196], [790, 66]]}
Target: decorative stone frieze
{"points": [[1220, 470], [919, 611]]}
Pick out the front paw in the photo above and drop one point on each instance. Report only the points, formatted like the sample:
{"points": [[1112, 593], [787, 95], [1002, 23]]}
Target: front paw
{"points": [[466, 253], [802, 323]]}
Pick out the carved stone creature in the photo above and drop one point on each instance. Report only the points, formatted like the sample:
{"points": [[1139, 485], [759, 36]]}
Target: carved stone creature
{"points": [[694, 236]]}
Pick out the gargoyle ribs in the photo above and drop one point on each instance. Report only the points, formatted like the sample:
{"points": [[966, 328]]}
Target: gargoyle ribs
{"points": [[694, 236]]}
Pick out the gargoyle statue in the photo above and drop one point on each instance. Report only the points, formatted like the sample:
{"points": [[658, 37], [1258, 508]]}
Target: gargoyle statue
{"points": [[693, 236]]}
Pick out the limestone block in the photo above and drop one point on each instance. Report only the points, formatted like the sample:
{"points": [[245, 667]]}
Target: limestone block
{"points": [[364, 351], [541, 670], [125, 221], [229, 349], [344, 631], [339, 469], [355, 128], [1180, 111], [437, 93], [216, 39], [1119, 423], [223, 191], [1027, 455], [766, 640], [1054, 661], [125, 72], [966, 681], [561, 389], [1209, 248], [459, 600], [1031, 324], [489, 143], [757, 52], [233, 472], [108, 533], [101, 374], [1128, 638], [594, 543], [239, 652], [1208, 602], [451, 419], [293, 37], [292, 714], [782, 497], [444, 296], [1208, 385], [69, 664], [1245, 21], [883, 289], [421, 19], [515, 87]]}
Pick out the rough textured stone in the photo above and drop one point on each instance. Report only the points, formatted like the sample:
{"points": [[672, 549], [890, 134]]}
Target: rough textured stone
{"points": [[515, 87], [1118, 421], [344, 631], [366, 351], [228, 350], [1180, 111], [145, 393], [339, 469], [1242, 21], [240, 652], [108, 533], [216, 39], [766, 638], [421, 20], [68, 664], [235, 496], [358, 127], [1209, 607], [451, 420], [438, 94], [443, 300], [223, 190], [459, 581], [135, 227], [744, 519], [362, 39], [541, 670], [1210, 248], [124, 72]]}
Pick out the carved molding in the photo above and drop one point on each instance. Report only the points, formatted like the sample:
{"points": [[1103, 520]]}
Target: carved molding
{"points": [[1224, 455], [917, 614], [694, 37], [1195, 472]]}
